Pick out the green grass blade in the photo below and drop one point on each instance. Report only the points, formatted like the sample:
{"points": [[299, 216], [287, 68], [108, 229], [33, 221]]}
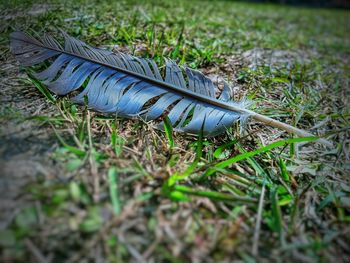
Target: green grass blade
{"points": [[168, 128], [222, 148], [43, 90], [213, 195], [283, 168], [113, 189], [247, 155], [199, 152], [276, 215], [71, 149]]}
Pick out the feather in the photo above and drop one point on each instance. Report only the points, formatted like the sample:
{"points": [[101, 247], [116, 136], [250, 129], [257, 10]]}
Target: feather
{"points": [[129, 86]]}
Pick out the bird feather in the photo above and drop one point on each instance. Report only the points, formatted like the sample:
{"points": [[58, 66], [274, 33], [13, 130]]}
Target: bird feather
{"points": [[118, 83]]}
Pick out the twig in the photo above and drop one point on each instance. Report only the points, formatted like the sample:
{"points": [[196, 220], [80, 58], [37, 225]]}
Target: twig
{"points": [[39, 257], [133, 252], [96, 181], [258, 222]]}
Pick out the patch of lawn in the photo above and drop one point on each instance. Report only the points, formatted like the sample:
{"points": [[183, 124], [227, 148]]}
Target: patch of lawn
{"points": [[121, 191]]}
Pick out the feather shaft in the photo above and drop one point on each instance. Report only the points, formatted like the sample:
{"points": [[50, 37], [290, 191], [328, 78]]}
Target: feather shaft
{"points": [[286, 127]]}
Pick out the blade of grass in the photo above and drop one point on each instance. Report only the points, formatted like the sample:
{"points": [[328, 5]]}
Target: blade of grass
{"points": [[168, 128], [116, 141], [213, 195], [247, 155], [113, 189], [43, 90], [276, 214], [92, 159], [283, 169], [223, 147], [71, 149], [199, 151], [258, 222]]}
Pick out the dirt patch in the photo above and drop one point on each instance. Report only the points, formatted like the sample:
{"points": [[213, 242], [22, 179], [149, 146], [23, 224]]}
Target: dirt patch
{"points": [[35, 10], [25, 145], [274, 58]]}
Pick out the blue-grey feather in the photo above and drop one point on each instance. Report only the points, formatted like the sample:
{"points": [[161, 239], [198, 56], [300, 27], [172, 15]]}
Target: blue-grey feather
{"points": [[111, 90]]}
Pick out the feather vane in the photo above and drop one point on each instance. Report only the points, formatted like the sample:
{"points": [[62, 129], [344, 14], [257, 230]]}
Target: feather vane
{"points": [[123, 84]]}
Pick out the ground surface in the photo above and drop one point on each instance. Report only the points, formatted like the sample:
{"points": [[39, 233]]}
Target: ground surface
{"points": [[76, 186]]}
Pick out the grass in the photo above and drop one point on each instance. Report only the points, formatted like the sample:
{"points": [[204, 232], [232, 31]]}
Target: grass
{"points": [[120, 191]]}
